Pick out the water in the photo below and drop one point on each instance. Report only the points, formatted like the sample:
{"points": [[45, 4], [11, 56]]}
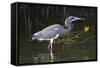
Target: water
{"points": [[65, 50]]}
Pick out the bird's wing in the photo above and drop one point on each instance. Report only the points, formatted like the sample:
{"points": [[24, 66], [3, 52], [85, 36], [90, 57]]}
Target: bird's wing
{"points": [[52, 27], [52, 30], [49, 34]]}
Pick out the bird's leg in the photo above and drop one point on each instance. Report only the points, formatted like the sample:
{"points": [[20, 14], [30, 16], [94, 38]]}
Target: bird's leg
{"points": [[49, 45], [51, 52], [51, 42]]}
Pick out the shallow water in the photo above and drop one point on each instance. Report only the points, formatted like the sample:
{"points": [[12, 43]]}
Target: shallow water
{"points": [[38, 52]]}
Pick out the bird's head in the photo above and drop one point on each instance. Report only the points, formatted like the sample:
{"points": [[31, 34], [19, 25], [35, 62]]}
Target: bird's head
{"points": [[74, 18], [71, 19]]}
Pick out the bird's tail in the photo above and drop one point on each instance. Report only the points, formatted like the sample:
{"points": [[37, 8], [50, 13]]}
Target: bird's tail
{"points": [[33, 37]]}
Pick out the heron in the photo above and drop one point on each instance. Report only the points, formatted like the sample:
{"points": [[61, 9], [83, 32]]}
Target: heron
{"points": [[55, 31]]}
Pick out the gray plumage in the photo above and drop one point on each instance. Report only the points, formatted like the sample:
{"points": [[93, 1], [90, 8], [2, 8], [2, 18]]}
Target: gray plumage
{"points": [[55, 31], [51, 31]]}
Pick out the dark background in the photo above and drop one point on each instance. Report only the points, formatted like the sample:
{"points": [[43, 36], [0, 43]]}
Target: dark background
{"points": [[35, 17]]}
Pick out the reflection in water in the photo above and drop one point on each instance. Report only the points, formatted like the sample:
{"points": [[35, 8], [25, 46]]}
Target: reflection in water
{"points": [[43, 57], [66, 50]]}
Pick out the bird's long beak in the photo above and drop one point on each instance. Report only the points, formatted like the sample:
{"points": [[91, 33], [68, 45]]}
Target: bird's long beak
{"points": [[78, 18], [82, 19]]}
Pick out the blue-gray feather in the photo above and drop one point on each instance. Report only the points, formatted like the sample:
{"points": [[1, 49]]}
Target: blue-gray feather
{"points": [[52, 30]]}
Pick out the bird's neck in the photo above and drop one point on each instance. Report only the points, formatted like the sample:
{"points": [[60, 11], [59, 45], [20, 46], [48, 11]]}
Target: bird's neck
{"points": [[69, 25]]}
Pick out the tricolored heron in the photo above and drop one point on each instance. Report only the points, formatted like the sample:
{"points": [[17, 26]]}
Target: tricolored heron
{"points": [[55, 31]]}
